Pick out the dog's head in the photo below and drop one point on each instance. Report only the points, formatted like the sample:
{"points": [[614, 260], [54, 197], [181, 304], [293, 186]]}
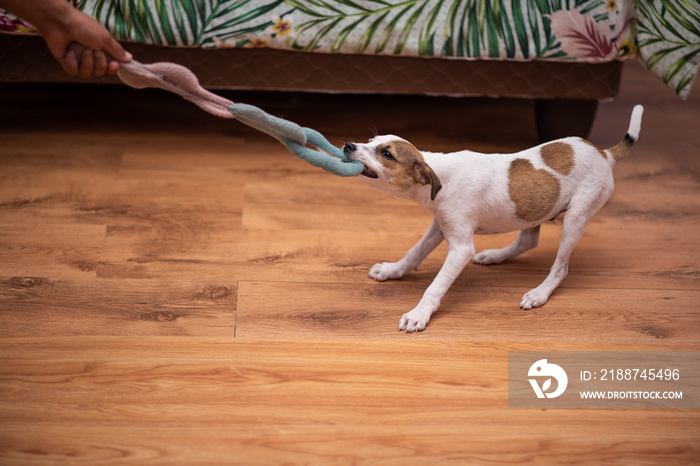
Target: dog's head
{"points": [[393, 164]]}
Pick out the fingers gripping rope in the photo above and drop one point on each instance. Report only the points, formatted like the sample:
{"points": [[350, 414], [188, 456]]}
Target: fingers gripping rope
{"points": [[180, 80]]}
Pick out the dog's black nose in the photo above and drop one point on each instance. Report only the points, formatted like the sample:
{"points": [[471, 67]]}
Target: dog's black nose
{"points": [[349, 147]]}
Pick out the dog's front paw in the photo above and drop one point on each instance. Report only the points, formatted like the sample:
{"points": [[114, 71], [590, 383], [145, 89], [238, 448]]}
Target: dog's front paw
{"points": [[534, 298], [386, 271], [414, 321]]}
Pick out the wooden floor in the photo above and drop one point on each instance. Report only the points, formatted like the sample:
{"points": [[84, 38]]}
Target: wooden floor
{"points": [[176, 288]]}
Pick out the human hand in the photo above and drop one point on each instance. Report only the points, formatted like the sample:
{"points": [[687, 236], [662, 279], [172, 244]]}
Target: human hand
{"points": [[81, 61], [82, 45]]}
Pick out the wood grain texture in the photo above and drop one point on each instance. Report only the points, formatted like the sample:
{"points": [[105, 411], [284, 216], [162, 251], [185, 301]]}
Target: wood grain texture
{"points": [[34, 305], [178, 289], [260, 401], [652, 317]]}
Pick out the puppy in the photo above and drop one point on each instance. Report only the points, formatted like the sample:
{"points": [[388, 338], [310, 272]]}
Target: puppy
{"points": [[479, 194]]}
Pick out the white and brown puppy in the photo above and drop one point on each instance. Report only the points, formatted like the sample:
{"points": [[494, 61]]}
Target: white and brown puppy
{"points": [[473, 194]]}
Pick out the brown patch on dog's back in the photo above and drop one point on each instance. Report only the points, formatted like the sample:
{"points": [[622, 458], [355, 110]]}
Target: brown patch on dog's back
{"points": [[559, 156], [534, 192], [601, 152]]}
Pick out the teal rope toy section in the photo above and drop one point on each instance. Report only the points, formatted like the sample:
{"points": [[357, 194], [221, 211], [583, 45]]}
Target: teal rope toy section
{"points": [[296, 138], [338, 164]]}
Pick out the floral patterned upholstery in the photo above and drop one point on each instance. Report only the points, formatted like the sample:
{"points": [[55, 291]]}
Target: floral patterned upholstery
{"points": [[664, 33]]}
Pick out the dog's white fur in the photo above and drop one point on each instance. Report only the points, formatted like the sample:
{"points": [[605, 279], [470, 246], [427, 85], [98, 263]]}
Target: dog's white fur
{"points": [[471, 193]]}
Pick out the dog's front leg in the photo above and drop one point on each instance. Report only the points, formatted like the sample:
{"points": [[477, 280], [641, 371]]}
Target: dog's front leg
{"points": [[413, 258], [459, 254]]}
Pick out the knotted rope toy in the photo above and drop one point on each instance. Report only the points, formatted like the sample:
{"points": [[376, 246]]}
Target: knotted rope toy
{"points": [[180, 80]]}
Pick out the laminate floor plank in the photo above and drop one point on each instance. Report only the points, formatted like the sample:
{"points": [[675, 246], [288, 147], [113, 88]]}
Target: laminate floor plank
{"points": [[607, 256], [241, 254], [652, 317], [320, 401], [57, 250], [340, 443], [116, 307], [329, 205]]}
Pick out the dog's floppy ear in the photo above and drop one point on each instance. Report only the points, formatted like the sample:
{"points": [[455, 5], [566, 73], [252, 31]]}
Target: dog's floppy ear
{"points": [[423, 174]]}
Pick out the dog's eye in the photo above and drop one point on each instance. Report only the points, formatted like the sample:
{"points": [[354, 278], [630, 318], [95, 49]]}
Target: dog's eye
{"points": [[387, 155]]}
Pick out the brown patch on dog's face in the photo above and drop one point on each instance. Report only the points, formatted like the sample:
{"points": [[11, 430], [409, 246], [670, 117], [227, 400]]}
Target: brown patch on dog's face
{"points": [[601, 152], [534, 192], [559, 156], [404, 166]]}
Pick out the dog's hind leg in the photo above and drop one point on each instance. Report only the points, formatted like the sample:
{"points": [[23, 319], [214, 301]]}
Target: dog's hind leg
{"points": [[571, 234], [527, 239], [581, 210]]}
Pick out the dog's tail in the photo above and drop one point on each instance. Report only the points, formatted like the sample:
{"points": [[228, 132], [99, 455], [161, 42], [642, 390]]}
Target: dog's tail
{"points": [[623, 147]]}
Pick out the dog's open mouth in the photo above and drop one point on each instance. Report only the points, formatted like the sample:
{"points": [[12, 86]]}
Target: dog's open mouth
{"points": [[369, 173]]}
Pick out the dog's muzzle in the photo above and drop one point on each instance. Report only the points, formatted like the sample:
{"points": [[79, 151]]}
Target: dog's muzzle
{"points": [[348, 150]]}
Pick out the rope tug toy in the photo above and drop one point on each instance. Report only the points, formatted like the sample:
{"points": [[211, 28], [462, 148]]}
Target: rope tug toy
{"points": [[180, 80]]}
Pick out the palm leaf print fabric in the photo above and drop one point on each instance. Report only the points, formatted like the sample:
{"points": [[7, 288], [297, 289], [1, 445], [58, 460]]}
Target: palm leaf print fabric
{"points": [[664, 33], [669, 40]]}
